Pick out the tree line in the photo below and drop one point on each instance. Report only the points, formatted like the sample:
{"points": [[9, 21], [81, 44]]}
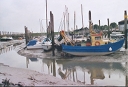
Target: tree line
{"points": [[105, 27]]}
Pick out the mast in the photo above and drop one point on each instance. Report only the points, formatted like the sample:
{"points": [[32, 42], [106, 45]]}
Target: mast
{"points": [[82, 16], [64, 20], [82, 20], [74, 22], [46, 20]]}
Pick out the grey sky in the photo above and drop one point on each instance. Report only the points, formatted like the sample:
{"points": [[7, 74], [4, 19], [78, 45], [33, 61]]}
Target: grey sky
{"points": [[15, 14]]}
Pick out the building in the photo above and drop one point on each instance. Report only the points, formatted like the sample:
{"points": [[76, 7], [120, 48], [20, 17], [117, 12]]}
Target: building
{"points": [[121, 25]]}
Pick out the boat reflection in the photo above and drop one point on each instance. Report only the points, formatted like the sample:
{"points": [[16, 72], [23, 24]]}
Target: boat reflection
{"points": [[6, 49], [33, 59], [89, 73]]}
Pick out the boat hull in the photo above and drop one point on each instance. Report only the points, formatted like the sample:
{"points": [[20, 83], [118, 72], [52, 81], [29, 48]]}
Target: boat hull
{"points": [[5, 39], [47, 44], [93, 50], [34, 44], [35, 47], [47, 47]]}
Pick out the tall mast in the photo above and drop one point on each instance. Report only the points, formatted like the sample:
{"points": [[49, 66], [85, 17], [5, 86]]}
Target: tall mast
{"points": [[46, 18], [74, 22], [82, 16], [82, 20]]}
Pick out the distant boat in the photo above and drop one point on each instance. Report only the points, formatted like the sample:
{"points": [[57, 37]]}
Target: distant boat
{"points": [[6, 38], [116, 36], [47, 44], [34, 44]]}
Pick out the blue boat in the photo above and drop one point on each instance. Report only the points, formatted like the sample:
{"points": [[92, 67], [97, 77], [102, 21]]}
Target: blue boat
{"points": [[93, 50], [95, 45], [34, 44]]}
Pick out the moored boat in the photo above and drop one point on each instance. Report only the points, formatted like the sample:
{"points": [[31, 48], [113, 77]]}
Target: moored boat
{"points": [[116, 36], [6, 38], [34, 44], [47, 44], [95, 45], [93, 50]]}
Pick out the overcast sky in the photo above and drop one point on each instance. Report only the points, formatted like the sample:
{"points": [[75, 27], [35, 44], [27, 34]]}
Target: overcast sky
{"points": [[15, 14]]}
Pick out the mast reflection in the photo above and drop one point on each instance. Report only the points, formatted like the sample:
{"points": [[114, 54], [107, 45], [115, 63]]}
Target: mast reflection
{"points": [[6, 49], [82, 71]]}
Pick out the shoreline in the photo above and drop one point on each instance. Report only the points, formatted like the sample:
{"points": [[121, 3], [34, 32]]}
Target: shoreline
{"points": [[26, 77]]}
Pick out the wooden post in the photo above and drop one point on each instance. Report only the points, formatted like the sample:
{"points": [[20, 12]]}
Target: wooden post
{"points": [[26, 34], [89, 20], [99, 24], [52, 31], [108, 29], [49, 28], [125, 28], [54, 68]]}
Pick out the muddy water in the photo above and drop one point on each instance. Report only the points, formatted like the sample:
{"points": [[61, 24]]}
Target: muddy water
{"points": [[109, 70]]}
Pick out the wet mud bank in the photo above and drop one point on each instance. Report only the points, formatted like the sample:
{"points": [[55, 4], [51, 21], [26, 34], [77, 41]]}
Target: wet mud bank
{"points": [[10, 76], [9, 43], [120, 56]]}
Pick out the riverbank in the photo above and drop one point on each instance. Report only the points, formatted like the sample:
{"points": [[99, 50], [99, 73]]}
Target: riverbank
{"points": [[28, 77], [9, 43], [25, 77]]}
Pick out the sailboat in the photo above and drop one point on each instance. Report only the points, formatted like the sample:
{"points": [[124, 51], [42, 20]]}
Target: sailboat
{"points": [[47, 43]]}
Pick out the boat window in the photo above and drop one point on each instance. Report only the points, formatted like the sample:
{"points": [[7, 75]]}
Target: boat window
{"points": [[97, 38]]}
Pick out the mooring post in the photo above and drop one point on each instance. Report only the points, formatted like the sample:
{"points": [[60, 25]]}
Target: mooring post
{"points": [[54, 67], [126, 76], [52, 31], [125, 28], [108, 29], [26, 34], [90, 21], [99, 24]]}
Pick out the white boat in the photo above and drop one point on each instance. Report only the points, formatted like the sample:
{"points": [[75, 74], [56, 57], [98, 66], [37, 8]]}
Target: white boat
{"points": [[116, 36], [6, 38], [34, 44], [47, 44]]}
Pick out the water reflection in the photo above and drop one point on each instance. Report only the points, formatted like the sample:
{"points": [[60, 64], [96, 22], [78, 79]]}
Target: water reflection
{"points": [[126, 65], [89, 73], [6, 49], [77, 70], [33, 59]]}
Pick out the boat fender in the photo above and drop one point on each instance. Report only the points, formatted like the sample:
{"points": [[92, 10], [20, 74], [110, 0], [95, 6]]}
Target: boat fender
{"points": [[97, 43], [110, 49]]}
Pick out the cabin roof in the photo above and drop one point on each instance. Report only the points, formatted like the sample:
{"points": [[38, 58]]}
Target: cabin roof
{"points": [[96, 35], [122, 22]]}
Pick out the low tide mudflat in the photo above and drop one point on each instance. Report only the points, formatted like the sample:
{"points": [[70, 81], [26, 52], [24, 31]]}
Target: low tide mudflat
{"points": [[110, 70]]}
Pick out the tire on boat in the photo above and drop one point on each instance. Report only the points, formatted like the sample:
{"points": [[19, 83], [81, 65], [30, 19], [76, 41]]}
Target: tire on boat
{"points": [[97, 43]]}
